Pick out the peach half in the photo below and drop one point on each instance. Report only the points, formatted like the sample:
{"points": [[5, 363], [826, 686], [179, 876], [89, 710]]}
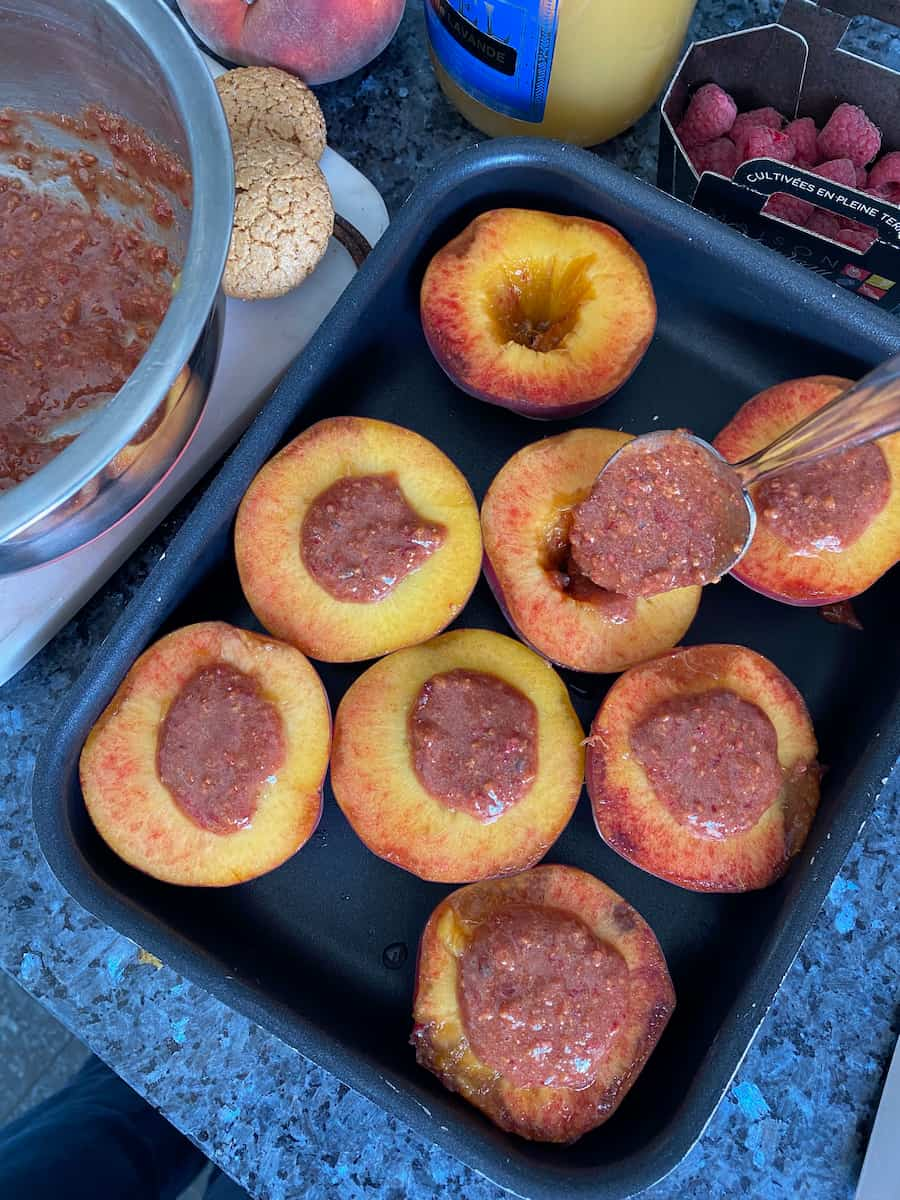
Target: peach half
{"points": [[543, 314], [825, 532], [358, 538], [701, 768], [526, 520], [584, 992], [206, 767], [458, 759]]}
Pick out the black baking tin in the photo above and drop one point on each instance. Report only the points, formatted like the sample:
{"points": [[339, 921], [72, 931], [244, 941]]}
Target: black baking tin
{"points": [[314, 952]]}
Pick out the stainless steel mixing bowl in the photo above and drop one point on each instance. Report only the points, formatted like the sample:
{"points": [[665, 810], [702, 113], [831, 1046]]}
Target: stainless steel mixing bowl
{"points": [[133, 58]]}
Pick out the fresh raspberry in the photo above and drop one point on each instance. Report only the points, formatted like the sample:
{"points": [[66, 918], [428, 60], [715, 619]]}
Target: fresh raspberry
{"points": [[849, 133], [839, 170], [859, 239], [758, 118], [709, 115], [788, 208], [719, 156], [886, 170], [804, 133], [886, 191], [824, 223], [761, 142], [862, 178]]}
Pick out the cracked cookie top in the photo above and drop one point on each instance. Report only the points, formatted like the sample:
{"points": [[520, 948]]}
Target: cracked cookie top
{"points": [[283, 219], [265, 102]]}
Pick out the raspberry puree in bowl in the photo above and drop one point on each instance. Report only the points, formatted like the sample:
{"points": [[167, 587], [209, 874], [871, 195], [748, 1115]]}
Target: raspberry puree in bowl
{"points": [[82, 291]]}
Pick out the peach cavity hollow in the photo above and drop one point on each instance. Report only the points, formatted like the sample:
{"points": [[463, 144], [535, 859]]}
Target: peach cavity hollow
{"points": [[543, 314]]}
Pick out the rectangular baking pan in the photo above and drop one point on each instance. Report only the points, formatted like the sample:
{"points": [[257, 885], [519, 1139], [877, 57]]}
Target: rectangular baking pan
{"points": [[322, 951]]}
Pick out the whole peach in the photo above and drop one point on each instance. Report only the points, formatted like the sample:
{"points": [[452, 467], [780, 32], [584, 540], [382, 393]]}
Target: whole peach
{"points": [[319, 40]]}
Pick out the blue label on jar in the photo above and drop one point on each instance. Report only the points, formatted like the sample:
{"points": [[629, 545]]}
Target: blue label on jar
{"points": [[499, 53]]}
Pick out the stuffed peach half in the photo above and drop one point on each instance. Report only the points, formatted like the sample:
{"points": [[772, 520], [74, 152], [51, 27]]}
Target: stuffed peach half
{"points": [[701, 769], [826, 531], [543, 314], [206, 767], [538, 999], [358, 538], [458, 759], [526, 523]]}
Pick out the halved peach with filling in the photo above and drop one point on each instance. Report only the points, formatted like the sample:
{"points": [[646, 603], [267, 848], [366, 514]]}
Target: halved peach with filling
{"points": [[539, 998], [701, 769], [526, 522], [825, 532], [458, 759], [543, 314], [206, 768], [358, 538]]}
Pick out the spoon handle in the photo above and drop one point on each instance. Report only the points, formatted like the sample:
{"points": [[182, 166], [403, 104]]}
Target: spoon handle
{"points": [[868, 410]]}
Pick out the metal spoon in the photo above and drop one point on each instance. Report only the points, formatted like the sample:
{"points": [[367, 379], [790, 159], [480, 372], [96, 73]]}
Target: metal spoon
{"points": [[867, 410]]}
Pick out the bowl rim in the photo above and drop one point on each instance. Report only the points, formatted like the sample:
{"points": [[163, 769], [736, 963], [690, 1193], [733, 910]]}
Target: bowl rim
{"points": [[200, 113]]}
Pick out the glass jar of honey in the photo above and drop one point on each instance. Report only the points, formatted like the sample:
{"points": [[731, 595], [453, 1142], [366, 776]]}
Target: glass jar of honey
{"points": [[578, 70]]}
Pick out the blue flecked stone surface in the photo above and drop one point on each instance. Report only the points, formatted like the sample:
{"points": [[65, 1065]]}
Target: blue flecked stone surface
{"points": [[795, 1121]]}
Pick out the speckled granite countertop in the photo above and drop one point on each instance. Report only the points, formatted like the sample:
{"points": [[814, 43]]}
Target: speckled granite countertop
{"points": [[794, 1123]]}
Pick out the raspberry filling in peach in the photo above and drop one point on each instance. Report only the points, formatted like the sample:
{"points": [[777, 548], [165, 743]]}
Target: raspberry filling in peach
{"points": [[206, 767], [219, 742], [701, 768], [824, 532], [358, 538], [658, 518], [826, 505], [473, 739], [712, 760], [361, 537], [538, 999], [458, 759], [541, 997]]}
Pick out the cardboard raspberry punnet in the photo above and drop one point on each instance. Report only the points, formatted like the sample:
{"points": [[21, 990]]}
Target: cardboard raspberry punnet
{"points": [[797, 68]]}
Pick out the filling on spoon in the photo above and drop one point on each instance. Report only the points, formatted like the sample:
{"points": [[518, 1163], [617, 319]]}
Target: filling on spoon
{"points": [[660, 516]]}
